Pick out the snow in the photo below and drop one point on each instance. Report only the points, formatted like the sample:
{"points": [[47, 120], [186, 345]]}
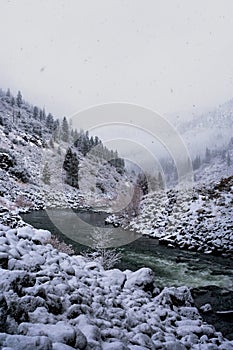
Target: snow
{"points": [[199, 219], [52, 301], [46, 305]]}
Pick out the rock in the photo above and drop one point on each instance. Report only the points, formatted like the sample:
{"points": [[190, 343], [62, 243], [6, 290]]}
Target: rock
{"points": [[187, 330], [81, 340], [73, 311], [60, 332], [189, 312], [143, 340], [41, 236], [206, 308], [114, 277], [114, 345], [143, 278], [174, 345], [61, 346], [21, 342], [40, 315], [25, 232]]}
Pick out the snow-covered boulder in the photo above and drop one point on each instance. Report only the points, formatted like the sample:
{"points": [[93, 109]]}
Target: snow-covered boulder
{"points": [[143, 278]]}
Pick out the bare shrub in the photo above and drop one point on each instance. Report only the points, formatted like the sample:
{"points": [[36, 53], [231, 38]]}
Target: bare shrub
{"points": [[102, 251], [61, 246], [22, 202], [106, 257]]}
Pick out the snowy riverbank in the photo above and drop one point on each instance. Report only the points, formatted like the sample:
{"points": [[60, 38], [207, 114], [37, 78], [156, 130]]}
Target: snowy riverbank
{"points": [[199, 219], [50, 300]]}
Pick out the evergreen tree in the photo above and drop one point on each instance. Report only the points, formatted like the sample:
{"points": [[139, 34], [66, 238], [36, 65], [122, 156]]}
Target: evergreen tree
{"points": [[46, 174], [35, 112], [196, 162], [56, 131], [19, 99], [43, 114], [71, 166], [160, 181], [12, 101], [50, 121], [75, 136], [8, 93], [207, 155], [142, 183], [65, 130], [96, 141], [228, 159]]}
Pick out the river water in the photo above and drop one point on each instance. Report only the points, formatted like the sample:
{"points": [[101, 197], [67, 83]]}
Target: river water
{"points": [[172, 267]]}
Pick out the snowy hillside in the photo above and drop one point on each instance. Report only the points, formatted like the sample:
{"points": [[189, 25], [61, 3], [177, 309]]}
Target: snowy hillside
{"points": [[199, 219], [209, 141], [30, 141], [212, 129]]}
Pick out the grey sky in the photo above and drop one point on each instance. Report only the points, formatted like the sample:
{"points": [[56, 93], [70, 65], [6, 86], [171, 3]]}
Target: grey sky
{"points": [[165, 55]]}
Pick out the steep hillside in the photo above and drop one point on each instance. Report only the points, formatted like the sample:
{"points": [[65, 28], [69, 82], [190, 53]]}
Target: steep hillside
{"points": [[209, 141], [33, 147], [199, 219], [212, 129]]}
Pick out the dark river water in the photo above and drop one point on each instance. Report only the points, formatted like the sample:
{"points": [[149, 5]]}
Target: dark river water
{"points": [[172, 267]]}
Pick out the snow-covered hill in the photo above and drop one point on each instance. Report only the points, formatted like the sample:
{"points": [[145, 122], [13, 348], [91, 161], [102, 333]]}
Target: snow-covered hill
{"points": [[198, 219], [28, 140], [211, 129]]}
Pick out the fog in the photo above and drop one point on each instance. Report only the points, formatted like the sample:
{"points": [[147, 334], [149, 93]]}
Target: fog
{"points": [[169, 56]]}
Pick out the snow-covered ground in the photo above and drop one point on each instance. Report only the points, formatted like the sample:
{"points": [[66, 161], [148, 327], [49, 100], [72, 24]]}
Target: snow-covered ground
{"points": [[52, 301], [23, 154], [199, 219]]}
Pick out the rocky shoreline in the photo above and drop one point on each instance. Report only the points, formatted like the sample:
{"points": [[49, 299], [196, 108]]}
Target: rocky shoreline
{"points": [[53, 301]]}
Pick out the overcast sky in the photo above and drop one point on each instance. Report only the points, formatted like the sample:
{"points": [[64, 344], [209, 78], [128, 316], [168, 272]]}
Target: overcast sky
{"points": [[68, 55]]}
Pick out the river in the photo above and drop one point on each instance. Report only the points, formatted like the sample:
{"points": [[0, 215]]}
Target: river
{"points": [[172, 267]]}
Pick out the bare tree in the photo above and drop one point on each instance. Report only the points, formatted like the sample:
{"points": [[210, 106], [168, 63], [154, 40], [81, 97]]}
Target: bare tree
{"points": [[102, 251]]}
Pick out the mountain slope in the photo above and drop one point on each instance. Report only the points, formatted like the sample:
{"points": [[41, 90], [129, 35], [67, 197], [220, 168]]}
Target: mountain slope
{"points": [[28, 140]]}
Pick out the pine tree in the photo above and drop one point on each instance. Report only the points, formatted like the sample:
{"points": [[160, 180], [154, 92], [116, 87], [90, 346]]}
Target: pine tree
{"points": [[65, 130], [50, 121], [46, 174], [8, 93], [71, 166], [56, 131], [12, 101], [19, 99], [160, 181], [142, 183], [43, 114], [228, 159], [207, 155], [196, 162], [35, 112]]}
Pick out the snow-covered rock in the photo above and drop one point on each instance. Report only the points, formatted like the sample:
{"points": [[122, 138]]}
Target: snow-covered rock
{"points": [[52, 301]]}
